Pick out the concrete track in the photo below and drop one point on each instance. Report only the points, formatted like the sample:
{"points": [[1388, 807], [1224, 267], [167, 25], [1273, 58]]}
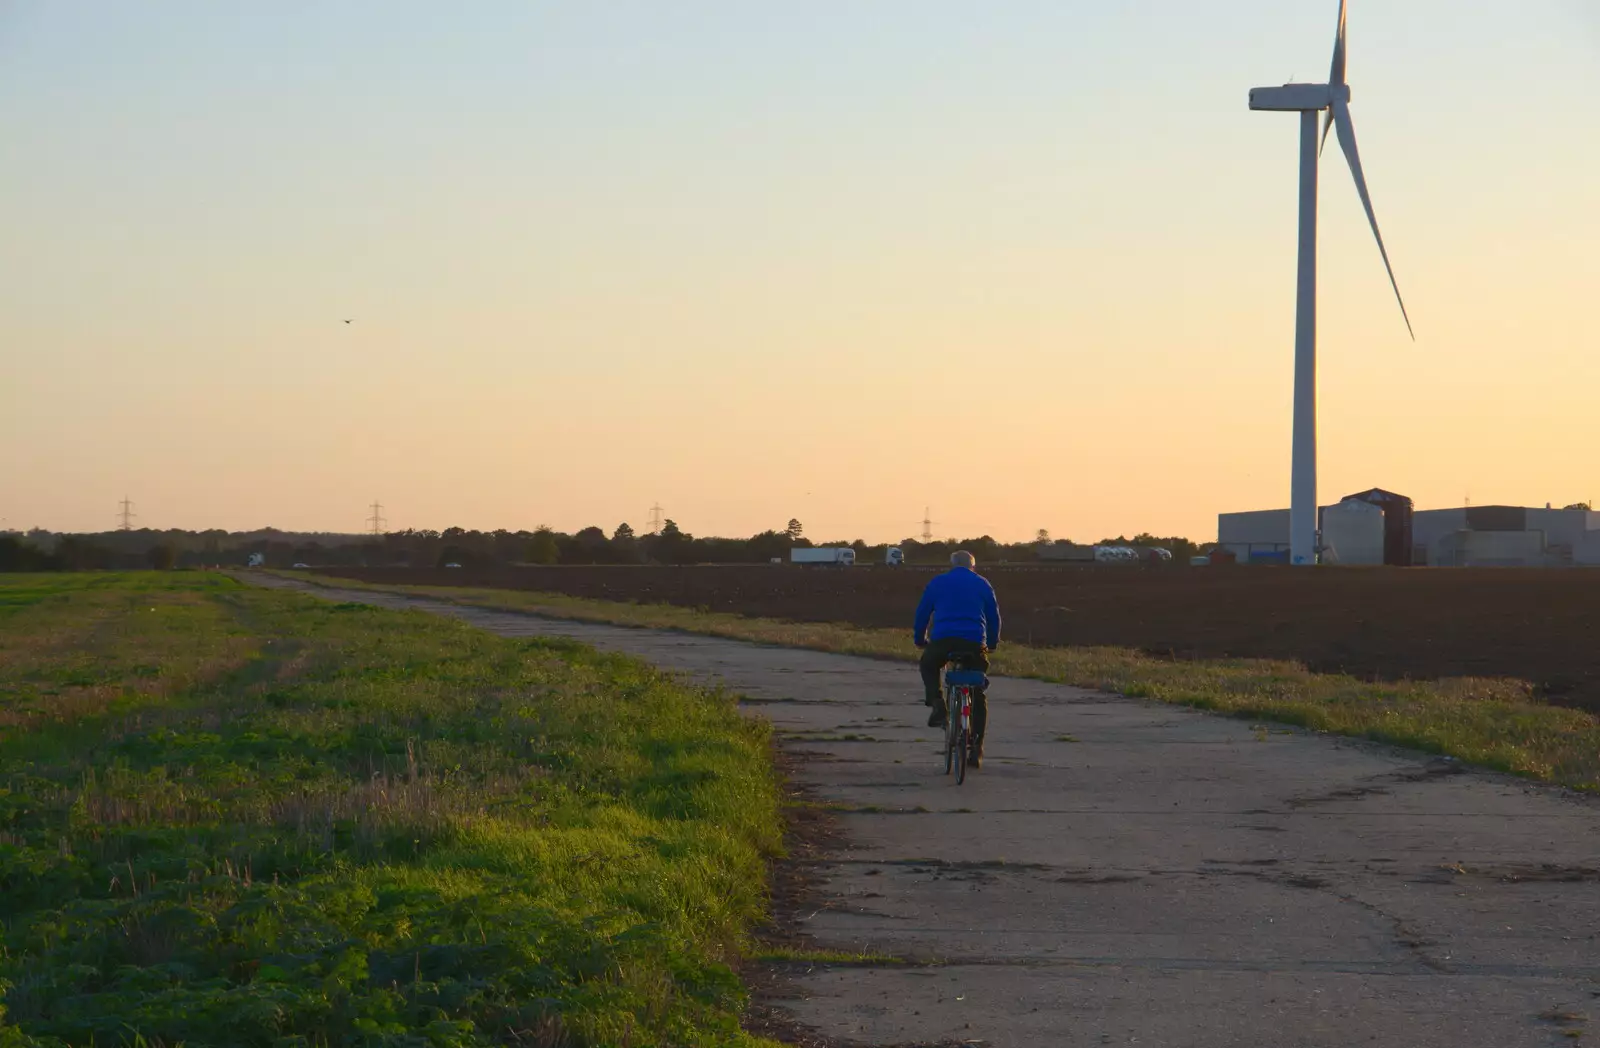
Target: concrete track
{"points": [[1125, 872]]}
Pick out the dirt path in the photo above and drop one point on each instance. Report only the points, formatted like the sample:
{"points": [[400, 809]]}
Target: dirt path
{"points": [[1388, 624], [1123, 872]]}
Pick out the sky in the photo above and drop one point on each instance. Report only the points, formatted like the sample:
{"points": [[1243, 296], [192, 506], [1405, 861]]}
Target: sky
{"points": [[1029, 265]]}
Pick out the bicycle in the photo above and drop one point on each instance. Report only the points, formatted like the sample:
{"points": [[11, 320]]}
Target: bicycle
{"points": [[959, 685]]}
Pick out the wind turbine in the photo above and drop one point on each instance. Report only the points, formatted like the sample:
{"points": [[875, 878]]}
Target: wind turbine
{"points": [[1308, 100]]}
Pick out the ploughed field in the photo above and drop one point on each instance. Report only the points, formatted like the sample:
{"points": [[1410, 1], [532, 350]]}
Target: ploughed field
{"points": [[1539, 626]]}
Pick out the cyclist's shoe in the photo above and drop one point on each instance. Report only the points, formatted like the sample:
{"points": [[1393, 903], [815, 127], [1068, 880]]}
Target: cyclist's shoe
{"points": [[937, 717], [975, 754]]}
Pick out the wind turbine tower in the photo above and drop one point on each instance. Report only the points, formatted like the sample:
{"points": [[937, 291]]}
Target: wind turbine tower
{"points": [[1310, 100]]}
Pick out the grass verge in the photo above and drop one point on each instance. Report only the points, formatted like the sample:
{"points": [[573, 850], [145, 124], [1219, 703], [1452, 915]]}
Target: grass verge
{"points": [[1493, 723], [798, 955], [232, 816]]}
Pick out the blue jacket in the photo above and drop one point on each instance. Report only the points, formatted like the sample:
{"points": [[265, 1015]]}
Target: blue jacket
{"points": [[960, 603]]}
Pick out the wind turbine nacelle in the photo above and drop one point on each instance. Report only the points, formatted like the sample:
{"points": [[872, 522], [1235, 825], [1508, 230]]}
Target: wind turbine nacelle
{"points": [[1297, 98]]}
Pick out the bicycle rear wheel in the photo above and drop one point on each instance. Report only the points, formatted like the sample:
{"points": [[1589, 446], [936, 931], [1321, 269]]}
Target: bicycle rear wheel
{"points": [[961, 729], [951, 730]]}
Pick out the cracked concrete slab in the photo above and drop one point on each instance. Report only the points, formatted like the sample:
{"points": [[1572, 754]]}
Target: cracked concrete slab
{"points": [[1124, 872]]}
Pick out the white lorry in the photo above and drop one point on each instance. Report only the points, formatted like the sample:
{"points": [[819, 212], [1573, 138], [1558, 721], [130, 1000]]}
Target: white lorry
{"points": [[895, 557], [843, 556], [257, 560]]}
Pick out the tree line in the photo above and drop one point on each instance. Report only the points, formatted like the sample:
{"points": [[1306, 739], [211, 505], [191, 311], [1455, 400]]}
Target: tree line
{"points": [[40, 550]]}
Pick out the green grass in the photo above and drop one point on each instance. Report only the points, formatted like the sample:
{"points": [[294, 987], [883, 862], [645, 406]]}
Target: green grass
{"points": [[231, 816], [1493, 723]]}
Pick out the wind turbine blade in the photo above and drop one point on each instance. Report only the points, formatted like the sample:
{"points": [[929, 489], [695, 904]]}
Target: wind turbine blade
{"points": [[1336, 75], [1340, 56], [1347, 141]]}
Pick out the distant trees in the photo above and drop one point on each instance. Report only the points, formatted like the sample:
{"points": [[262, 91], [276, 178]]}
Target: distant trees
{"points": [[163, 557], [79, 553], [588, 546], [625, 545], [1043, 536], [542, 548], [770, 545], [18, 554], [984, 547], [453, 554], [672, 545], [422, 548]]}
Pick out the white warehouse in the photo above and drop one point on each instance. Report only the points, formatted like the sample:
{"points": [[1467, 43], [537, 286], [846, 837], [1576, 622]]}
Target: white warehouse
{"points": [[1355, 531], [1509, 536]]}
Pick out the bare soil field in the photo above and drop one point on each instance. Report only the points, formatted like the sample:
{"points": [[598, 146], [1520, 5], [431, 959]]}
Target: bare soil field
{"points": [[1539, 626]]}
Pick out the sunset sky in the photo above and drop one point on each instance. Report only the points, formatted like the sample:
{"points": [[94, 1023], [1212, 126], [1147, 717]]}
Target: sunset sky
{"points": [[1030, 264]]}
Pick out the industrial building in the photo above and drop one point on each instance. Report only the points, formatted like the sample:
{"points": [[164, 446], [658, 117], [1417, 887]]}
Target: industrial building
{"points": [[1379, 527]]}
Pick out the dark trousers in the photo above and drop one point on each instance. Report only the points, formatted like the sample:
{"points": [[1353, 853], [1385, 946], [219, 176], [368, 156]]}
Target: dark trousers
{"points": [[935, 655]]}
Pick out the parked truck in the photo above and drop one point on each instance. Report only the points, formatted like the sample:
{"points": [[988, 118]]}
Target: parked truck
{"points": [[843, 556], [1066, 551]]}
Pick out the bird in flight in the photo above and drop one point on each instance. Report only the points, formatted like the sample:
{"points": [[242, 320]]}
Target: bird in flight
{"points": [[350, 321]]}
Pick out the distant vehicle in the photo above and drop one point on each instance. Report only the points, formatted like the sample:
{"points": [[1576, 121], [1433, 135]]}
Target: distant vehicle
{"points": [[257, 560], [452, 564], [1067, 551], [895, 557], [302, 565], [1115, 554], [843, 556], [777, 560]]}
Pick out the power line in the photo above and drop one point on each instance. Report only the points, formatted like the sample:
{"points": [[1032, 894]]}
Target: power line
{"points": [[927, 524], [655, 519], [377, 520], [127, 515]]}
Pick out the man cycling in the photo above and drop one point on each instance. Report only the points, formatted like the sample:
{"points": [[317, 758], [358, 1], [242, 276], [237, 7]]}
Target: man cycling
{"points": [[966, 621]]}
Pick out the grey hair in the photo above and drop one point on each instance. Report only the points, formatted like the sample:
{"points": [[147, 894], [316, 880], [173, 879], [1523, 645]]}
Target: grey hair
{"points": [[962, 559]]}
